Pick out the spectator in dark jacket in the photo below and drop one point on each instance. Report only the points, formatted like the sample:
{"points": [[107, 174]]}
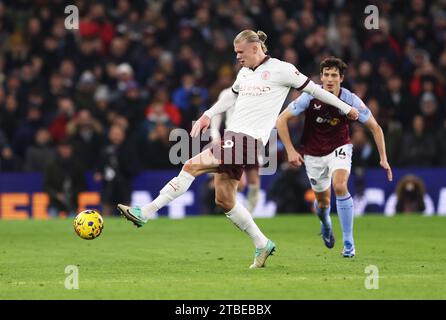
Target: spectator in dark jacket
{"points": [[418, 148], [117, 166], [86, 134], [9, 115], [397, 102], [8, 160], [63, 181], [440, 159], [26, 131], [41, 153], [364, 155], [131, 105]]}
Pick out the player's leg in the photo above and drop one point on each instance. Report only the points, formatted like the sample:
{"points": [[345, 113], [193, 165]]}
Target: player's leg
{"points": [[225, 197], [322, 207], [253, 180], [340, 166], [344, 204], [204, 162], [242, 183], [318, 173]]}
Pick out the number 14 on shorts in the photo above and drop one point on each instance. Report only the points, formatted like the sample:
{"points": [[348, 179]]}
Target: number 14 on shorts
{"points": [[340, 153]]}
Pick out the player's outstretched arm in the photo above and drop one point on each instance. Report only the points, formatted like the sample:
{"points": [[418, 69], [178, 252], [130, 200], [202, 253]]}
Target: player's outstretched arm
{"points": [[293, 78], [225, 101], [282, 127], [378, 136], [329, 98]]}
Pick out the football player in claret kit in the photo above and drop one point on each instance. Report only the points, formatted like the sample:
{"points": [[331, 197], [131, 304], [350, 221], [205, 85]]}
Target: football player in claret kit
{"points": [[327, 149], [258, 93]]}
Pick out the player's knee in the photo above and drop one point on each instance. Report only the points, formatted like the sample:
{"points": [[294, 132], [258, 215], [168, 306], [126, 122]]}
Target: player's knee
{"points": [[323, 203], [241, 185], [340, 188], [253, 178], [224, 202]]}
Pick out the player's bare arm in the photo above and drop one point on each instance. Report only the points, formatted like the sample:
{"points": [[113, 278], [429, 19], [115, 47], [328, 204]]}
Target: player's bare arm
{"points": [[202, 124], [378, 136], [294, 157]]}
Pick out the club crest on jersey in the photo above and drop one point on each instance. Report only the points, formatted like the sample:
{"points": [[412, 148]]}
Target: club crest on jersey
{"points": [[265, 75]]}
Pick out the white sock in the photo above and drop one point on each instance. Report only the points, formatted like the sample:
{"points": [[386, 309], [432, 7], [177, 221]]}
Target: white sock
{"points": [[253, 197], [172, 190], [149, 210], [243, 220]]}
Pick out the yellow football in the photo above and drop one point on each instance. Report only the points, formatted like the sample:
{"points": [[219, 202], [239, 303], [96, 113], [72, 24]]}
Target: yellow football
{"points": [[88, 224]]}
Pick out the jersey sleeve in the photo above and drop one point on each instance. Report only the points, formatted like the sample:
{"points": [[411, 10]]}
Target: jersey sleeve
{"points": [[364, 112], [299, 105], [291, 77]]}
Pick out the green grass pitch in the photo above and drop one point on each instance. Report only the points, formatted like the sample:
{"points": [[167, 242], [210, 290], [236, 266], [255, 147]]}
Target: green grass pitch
{"points": [[208, 258]]}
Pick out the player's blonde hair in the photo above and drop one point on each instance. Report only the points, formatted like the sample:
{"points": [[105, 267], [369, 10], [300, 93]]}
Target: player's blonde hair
{"points": [[252, 36]]}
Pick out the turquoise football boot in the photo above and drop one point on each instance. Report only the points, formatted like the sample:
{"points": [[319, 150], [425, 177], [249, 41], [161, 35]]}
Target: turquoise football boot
{"points": [[134, 214], [261, 255]]}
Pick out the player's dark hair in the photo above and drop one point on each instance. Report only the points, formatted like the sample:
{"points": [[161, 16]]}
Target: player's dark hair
{"points": [[333, 62]]}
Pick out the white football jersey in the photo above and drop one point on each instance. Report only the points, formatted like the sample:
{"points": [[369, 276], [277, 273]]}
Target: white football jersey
{"points": [[261, 94], [217, 119], [230, 111]]}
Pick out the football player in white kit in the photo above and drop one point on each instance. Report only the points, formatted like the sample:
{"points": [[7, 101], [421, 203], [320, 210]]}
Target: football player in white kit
{"points": [[250, 177], [258, 93]]}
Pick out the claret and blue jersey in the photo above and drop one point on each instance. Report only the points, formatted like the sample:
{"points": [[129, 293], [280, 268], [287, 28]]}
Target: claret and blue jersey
{"points": [[326, 127]]}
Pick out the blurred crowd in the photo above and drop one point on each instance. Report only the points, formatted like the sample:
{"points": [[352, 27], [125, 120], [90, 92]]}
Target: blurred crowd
{"points": [[150, 66], [134, 70]]}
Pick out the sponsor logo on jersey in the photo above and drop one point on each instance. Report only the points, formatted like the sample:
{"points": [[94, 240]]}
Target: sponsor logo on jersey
{"points": [[317, 106], [334, 121], [313, 181], [253, 90], [321, 120], [331, 121]]}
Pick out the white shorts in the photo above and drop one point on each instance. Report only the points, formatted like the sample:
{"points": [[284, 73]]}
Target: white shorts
{"points": [[320, 169]]}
